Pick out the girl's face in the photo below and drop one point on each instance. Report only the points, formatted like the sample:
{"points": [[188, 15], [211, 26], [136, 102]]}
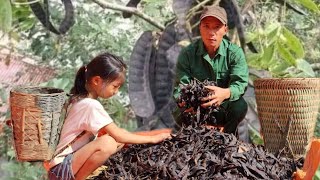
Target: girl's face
{"points": [[105, 89]]}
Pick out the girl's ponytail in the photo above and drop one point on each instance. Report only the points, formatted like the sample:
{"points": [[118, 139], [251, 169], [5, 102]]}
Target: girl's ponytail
{"points": [[79, 87]]}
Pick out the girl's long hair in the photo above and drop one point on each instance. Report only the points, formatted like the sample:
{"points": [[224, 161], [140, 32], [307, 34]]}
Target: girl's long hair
{"points": [[108, 66]]}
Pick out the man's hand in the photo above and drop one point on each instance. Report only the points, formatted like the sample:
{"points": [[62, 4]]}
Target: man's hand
{"points": [[218, 95]]}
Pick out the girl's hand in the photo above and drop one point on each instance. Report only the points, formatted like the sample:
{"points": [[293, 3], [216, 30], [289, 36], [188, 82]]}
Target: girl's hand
{"points": [[160, 137]]}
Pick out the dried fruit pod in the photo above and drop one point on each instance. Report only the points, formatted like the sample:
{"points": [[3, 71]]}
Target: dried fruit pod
{"points": [[42, 13], [191, 95], [42, 16], [165, 116], [196, 153], [139, 86], [68, 20], [163, 78], [181, 8]]}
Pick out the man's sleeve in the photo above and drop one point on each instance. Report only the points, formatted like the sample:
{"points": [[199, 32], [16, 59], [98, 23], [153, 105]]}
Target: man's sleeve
{"points": [[183, 72], [239, 75]]}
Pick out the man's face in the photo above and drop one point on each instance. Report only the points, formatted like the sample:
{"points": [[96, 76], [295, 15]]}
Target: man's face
{"points": [[212, 31]]}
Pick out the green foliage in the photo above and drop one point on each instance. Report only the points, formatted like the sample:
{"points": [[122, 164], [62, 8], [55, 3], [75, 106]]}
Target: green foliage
{"points": [[255, 136], [306, 29], [279, 49], [3, 96], [309, 4], [160, 10], [120, 111], [280, 44], [293, 43], [63, 81], [23, 170], [96, 30], [23, 19], [317, 175], [317, 129], [305, 68], [6, 15]]}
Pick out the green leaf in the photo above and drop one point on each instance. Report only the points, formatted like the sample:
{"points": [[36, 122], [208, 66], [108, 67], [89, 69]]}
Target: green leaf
{"points": [[3, 95], [26, 24], [305, 67], [309, 4], [285, 54], [279, 69], [317, 175], [61, 83], [254, 60], [268, 54], [272, 27], [272, 32], [5, 15], [255, 136], [251, 37], [293, 43]]}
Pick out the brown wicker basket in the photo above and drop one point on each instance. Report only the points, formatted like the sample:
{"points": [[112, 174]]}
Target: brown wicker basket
{"points": [[35, 114], [287, 110]]}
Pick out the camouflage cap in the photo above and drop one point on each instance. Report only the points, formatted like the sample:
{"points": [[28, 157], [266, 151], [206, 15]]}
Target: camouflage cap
{"points": [[215, 11]]}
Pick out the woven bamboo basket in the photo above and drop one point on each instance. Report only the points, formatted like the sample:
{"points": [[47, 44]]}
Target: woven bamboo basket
{"points": [[35, 114], [287, 109]]}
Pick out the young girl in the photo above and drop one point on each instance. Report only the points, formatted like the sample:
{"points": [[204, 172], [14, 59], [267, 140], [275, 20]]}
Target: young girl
{"points": [[76, 155]]}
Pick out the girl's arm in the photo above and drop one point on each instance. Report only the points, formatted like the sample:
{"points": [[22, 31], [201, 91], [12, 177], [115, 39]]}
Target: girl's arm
{"points": [[123, 136]]}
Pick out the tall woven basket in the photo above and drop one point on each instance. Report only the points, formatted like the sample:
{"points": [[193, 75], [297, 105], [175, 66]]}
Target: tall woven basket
{"points": [[287, 110], [35, 114]]}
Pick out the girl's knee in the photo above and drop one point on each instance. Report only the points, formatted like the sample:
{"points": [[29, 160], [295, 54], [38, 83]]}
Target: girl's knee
{"points": [[107, 144]]}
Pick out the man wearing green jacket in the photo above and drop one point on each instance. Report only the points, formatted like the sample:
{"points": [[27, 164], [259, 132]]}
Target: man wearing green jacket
{"points": [[214, 58]]}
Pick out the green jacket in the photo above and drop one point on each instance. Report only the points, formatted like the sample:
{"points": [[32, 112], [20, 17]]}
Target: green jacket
{"points": [[228, 68]]}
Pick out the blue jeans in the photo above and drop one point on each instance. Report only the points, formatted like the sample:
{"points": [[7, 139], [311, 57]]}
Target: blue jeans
{"points": [[62, 171]]}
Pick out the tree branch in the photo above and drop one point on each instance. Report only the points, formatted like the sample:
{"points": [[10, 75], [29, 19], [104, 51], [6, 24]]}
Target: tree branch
{"points": [[134, 11], [193, 10]]}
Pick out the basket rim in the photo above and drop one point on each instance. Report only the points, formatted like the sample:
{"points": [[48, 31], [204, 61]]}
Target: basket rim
{"points": [[17, 88], [285, 79]]}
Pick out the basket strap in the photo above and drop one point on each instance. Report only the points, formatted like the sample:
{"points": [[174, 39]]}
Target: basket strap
{"points": [[74, 140], [66, 108]]}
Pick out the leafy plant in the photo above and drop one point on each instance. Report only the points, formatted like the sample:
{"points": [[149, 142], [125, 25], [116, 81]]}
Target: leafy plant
{"points": [[255, 136], [317, 175], [6, 15], [280, 50], [120, 111], [63, 81], [317, 129], [26, 171], [96, 30]]}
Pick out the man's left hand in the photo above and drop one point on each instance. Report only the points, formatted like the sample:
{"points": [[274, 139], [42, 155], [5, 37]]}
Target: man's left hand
{"points": [[218, 95]]}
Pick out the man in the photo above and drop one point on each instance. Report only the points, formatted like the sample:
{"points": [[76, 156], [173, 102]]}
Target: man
{"points": [[214, 58]]}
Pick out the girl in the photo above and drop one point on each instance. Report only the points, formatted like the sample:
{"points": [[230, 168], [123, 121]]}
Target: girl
{"points": [[76, 155]]}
